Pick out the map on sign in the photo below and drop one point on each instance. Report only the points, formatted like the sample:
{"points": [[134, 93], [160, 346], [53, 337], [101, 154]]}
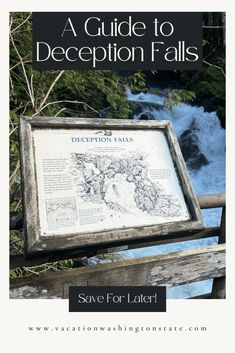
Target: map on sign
{"points": [[91, 180], [121, 184]]}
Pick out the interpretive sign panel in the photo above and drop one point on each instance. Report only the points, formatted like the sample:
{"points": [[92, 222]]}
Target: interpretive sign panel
{"points": [[94, 181]]}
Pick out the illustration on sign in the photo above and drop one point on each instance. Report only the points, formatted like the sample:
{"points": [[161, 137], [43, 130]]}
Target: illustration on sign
{"points": [[93, 180], [61, 211], [105, 179]]}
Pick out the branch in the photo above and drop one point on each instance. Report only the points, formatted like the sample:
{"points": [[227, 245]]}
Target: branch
{"points": [[216, 66], [24, 71], [14, 174], [66, 101], [17, 64], [213, 27], [31, 85], [60, 111], [50, 89], [21, 24], [15, 128]]}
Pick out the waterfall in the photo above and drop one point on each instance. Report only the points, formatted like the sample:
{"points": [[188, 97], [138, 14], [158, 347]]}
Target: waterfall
{"points": [[202, 141]]}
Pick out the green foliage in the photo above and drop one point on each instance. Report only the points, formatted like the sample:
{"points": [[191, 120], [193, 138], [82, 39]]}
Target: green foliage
{"points": [[17, 272], [176, 97], [209, 86], [16, 243], [213, 83], [37, 270], [97, 91], [136, 82], [209, 82]]}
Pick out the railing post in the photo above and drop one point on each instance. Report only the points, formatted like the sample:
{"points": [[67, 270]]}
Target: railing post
{"points": [[218, 287]]}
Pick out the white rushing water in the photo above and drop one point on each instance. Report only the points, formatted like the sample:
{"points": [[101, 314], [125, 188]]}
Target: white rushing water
{"points": [[210, 137]]}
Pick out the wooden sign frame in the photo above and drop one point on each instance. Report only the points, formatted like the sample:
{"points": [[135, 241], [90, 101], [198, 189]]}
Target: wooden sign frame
{"points": [[36, 243]]}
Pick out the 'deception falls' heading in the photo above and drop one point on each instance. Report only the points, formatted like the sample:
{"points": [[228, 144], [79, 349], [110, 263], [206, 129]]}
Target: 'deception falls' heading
{"points": [[119, 41]]}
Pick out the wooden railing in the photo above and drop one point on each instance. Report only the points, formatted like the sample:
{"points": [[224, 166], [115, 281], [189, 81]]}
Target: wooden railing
{"points": [[172, 269]]}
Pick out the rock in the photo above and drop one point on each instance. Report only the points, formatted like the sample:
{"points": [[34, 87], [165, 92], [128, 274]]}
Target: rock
{"points": [[193, 157], [16, 221], [144, 116], [143, 109]]}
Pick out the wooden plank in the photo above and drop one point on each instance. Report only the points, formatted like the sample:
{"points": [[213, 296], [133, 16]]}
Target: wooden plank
{"points": [[21, 260], [207, 233], [29, 188], [211, 200], [183, 175], [218, 288], [93, 123], [171, 270]]}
